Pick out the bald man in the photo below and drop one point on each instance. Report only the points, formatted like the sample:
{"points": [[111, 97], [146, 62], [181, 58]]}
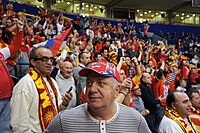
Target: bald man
{"points": [[65, 81]]}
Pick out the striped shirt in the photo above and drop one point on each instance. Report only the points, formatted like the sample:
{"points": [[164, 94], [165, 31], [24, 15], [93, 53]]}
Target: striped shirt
{"points": [[78, 120]]}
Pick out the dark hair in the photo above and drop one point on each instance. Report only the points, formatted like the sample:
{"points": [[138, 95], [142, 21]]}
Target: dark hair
{"points": [[191, 91], [171, 98], [159, 74], [177, 83], [81, 56], [90, 63], [96, 55], [104, 48]]}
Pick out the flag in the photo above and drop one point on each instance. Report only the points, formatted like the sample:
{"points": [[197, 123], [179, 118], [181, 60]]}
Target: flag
{"points": [[55, 43]]}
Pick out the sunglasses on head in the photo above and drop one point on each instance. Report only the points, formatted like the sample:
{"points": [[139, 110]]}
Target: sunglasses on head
{"points": [[45, 59]]}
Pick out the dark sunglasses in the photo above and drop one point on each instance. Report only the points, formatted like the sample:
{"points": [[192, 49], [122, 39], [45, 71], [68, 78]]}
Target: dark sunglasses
{"points": [[45, 59]]}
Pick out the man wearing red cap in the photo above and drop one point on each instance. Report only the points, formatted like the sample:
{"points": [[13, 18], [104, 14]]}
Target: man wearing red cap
{"points": [[101, 113]]}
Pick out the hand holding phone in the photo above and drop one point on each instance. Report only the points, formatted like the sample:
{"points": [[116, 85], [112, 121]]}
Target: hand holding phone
{"points": [[67, 97], [70, 89]]}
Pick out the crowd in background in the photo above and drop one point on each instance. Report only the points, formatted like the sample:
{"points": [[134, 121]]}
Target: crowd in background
{"points": [[175, 66]]}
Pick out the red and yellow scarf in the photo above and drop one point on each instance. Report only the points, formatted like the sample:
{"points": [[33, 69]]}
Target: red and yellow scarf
{"points": [[47, 110], [194, 110], [195, 118], [172, 114]]}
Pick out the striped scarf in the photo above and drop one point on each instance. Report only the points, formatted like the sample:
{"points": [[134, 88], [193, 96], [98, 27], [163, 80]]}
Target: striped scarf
{"points": [[47, 110], [172, 114]]}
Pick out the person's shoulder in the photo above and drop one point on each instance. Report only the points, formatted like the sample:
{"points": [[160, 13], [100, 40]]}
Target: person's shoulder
{"points": [[167, 121], [77, 68], [172, 126], [127, 110], [25, 84], [72, 112], [25, 79]]}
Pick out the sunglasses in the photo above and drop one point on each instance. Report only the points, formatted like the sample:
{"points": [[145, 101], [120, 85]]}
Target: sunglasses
{"points": [[45, 59]]}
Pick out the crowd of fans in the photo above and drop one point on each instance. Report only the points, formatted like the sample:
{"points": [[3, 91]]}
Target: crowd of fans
{"points": [[155, 67]]}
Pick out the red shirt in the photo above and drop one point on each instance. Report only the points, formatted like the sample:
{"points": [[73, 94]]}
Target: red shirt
{"points": [[6, 85], [158, 88]]}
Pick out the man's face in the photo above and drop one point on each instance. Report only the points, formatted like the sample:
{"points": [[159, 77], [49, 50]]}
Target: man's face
{"points": [[99, 57], [195, 100], [122, 75], [86, 58], [147, 78], [136, 91], [100, 91], [183, 83], [150, 64], [105, 53], [66, 69], [44, 67], [128, 60], [8, 22], [182, 104]]}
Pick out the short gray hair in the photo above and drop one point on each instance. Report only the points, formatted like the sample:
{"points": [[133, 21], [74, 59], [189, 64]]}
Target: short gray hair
{"points": [[116, 83]]}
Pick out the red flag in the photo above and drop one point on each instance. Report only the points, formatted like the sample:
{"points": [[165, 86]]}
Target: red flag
{"points": [[58, 41]]}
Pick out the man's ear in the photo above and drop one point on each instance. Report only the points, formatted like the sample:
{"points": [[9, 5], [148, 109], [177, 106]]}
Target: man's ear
{"points": [[117, 90], [32, 62], [173, 105]]}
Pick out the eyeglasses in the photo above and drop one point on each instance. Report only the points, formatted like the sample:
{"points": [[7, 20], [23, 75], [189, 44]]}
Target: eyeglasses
{"points": [[136, 89], [45, 59]]}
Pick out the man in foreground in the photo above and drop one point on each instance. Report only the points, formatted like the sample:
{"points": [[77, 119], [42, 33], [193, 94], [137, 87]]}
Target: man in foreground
{"points": [[101, 113], [36, 98]]}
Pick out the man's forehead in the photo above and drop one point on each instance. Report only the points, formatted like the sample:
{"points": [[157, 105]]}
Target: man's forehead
{"points": [[181, 96]]}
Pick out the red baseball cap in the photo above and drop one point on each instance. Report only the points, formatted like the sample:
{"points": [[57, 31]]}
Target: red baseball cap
{"points": [[102, 68]]}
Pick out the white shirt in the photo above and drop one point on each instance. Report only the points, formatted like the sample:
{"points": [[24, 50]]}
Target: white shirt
{"points": [[167, 125], [24, 106]]}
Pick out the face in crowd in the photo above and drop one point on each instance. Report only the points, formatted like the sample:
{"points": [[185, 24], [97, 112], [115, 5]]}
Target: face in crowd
{"points": [[146, 78], [195, 100], [43, 61], [100, 92], [66, 69], [85, 58], [136, 90], [182, 104], [122, 75]]}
